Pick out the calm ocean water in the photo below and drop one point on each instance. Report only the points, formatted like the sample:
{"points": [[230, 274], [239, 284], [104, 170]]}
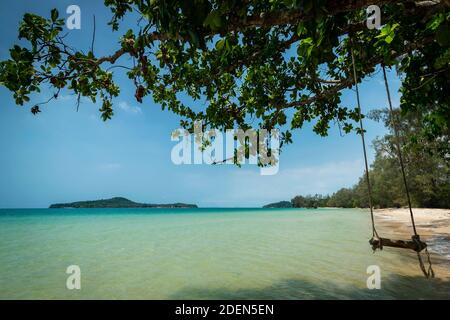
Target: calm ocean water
{"points": [[201, 254]]}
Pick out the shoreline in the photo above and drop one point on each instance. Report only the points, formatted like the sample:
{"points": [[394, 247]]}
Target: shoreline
{"points": [[433, 225]]}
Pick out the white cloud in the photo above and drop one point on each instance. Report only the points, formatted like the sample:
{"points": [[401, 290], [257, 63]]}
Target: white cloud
{"points": [[130, 109]]}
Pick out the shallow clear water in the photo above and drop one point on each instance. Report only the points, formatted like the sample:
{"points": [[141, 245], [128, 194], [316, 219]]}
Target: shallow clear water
{"points": [[201, 254]]}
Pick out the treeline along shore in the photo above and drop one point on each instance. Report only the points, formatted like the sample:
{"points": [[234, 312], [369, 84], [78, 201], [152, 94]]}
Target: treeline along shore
{"points": [[427, 166]]}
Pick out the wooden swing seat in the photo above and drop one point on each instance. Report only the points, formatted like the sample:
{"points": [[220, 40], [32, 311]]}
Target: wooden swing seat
{"points": [[416, 245]]}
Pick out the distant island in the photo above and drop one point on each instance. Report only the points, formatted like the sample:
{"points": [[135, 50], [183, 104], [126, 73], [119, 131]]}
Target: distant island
{"points": [[281, 204], [118, 202], [308, 202]]}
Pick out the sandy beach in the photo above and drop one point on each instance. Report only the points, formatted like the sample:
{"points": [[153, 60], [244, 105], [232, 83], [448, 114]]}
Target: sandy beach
{"points": [[433, 225]]}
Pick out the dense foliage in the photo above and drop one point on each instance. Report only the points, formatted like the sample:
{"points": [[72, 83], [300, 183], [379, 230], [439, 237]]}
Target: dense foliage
{"points": [[266, 63], [309, 201], [428, 172]]}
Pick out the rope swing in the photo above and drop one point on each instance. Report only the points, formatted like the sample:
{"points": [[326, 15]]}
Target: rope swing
{"points": [[361, 128], [377, 242], [429, 273]]}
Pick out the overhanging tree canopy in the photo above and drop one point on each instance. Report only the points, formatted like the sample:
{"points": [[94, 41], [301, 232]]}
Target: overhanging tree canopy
{"points": [[248, 62]]}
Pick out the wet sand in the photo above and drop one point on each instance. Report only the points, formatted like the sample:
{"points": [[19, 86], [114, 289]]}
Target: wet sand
{"points": [[433, 225]]}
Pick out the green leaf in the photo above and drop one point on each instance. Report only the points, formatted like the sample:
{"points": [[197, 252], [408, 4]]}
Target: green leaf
{"points": [[54, 15], [436, 22], [389, 39], [443, 36], [301, 29], [213, 20], [220, 44], [194, 38], [387, 32]]}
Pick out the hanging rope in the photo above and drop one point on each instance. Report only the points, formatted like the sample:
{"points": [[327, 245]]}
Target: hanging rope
{"points": [[397, 146], [416, 238], [361, 127]]}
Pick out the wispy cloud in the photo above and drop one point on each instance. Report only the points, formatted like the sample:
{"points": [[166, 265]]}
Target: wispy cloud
{"points": [[248, 187], [66, 97], [130, 109], [72, 97]]}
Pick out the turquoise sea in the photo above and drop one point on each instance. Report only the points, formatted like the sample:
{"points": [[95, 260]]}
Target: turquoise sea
{"points": [[201, 254]]}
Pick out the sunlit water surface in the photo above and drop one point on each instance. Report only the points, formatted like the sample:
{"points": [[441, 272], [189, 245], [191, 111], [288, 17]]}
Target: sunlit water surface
{"points": [[201, 254]]}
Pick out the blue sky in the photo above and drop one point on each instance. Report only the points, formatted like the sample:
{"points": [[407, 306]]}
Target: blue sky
{"points": [[63, 155]]}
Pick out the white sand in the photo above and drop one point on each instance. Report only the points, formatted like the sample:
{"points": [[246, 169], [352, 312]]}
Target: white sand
{"points": [[429, 222], [433, 225]]}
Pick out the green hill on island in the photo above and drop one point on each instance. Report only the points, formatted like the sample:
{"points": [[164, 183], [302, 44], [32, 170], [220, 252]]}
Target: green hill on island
{"points": [[118, 202], [281, 204]]}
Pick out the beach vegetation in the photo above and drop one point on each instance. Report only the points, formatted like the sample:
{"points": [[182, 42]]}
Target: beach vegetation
{"points": [[273, 63]]}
